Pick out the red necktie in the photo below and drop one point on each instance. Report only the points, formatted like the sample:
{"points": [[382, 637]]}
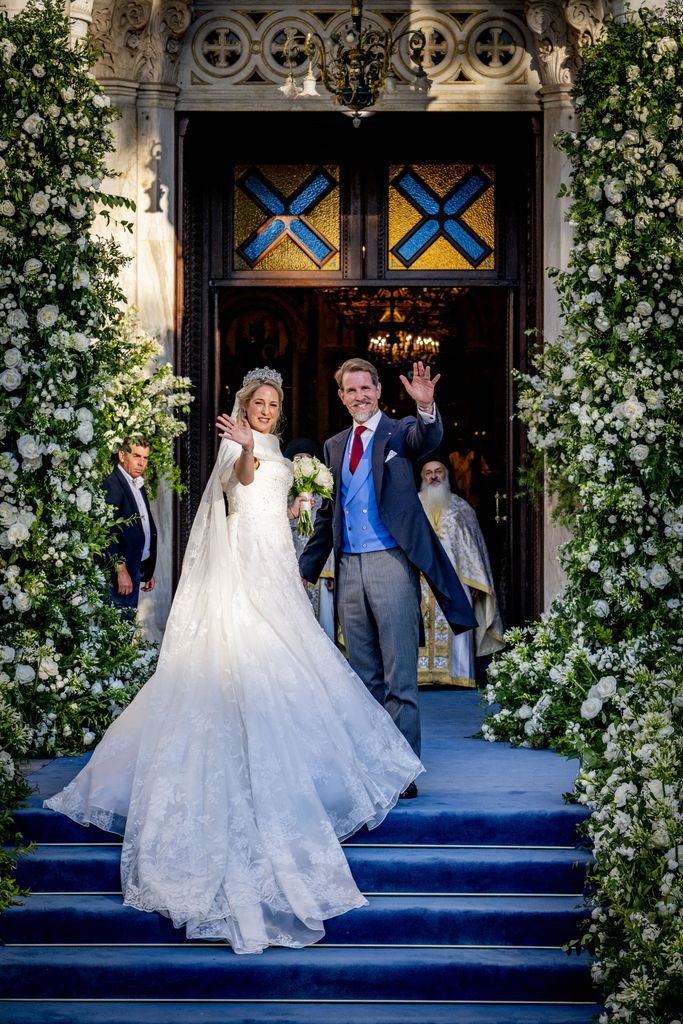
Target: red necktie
{"points": [[356, 448]]}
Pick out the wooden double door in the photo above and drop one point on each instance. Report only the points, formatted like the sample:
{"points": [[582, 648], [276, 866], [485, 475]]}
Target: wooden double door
{"points": [[305, 241]]}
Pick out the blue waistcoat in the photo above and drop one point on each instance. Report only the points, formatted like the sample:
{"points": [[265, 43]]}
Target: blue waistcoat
{"points": [[363, 528]]}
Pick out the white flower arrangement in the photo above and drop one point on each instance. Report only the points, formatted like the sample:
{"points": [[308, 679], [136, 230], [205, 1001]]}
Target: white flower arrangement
{"points": [[601, 676], [311, 477], [74, 374]]}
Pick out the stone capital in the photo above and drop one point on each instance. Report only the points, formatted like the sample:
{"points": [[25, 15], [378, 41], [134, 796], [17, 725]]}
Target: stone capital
{"points": [[140, 40]]}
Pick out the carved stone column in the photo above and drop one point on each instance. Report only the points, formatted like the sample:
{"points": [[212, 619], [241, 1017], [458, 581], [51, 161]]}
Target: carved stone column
{"points": [[155, 276], [557, 66], [80, 15], [140, 43]]}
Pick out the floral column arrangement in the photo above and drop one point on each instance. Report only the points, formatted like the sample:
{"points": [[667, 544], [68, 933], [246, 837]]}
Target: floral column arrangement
{"points": [[75, 381], [601, 676]]}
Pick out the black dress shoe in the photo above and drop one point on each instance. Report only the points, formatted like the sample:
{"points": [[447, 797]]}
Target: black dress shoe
{"points": [[409, 792]]}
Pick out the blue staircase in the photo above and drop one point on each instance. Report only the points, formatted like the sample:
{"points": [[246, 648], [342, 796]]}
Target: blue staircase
{"points": [[472, 888]]}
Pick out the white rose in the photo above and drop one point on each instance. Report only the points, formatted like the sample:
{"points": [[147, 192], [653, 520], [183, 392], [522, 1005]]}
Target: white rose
{"points": [[7, 208], [84, 181], [83, 501], [606, 687], [323, 478], [8, 49], [524, 711], [17, 533], [67, 94], [88, 737], [595, 272], [60, 230], [670, 171], [32, 266], [632, 409], [10, 378], [632, 73], [12, 357], [38, 70], [591, 707], [679, 209], [659, 576], [639, 453], [100, 101], [78, 211], [33, 124], [29, 447], [47, 667], [96, 688], [6, 653], [83, 414], [614, 190], [656, 787], [622, 793], [666, 45], [40, 203], [631, 137], [85, 431], [17, 318], [306, 466], [47, 316], [79, 341], [8, 513], [594, 144], [643, 309], [600, 608], [81, 279], [24, 674], [66, 731], [22, 602], [621, 260]]}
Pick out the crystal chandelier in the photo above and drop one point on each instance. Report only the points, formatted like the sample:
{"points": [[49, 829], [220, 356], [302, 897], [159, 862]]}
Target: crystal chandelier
{"points": [[402, 347], [357, 67]]}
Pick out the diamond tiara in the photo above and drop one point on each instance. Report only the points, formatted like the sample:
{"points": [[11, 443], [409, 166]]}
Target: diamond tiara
{"points": [[264, 374]]}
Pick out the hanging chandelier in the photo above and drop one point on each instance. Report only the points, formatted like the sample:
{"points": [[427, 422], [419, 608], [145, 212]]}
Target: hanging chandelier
{"points": [[400, 347], [358, 66]]}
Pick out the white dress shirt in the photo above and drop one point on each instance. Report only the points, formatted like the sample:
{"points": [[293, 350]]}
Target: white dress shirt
{"points": [[136, 484], [372, 424]]}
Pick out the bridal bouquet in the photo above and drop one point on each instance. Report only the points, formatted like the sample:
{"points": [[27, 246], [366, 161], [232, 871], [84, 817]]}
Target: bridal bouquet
{"points": [[311, 477]]}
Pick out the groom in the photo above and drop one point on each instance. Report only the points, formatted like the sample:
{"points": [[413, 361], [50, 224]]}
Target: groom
{"points": [[382, 540]]}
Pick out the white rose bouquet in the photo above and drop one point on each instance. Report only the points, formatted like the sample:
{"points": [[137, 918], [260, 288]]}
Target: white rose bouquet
{"points": [[311, 477]]}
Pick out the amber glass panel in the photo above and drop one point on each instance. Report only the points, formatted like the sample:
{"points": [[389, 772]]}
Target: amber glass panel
{"points": [[286, 217], [441, 217]]}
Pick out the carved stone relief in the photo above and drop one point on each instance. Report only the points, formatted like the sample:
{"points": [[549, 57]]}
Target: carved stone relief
{"points": [[140, 40], [237, 49]]}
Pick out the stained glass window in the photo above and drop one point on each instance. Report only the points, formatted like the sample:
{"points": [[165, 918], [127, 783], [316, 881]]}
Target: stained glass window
{"points": [[441, 217], [286, 217]]}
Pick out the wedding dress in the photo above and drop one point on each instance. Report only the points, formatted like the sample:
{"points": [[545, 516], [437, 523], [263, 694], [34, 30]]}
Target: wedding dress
{"points": [[253, 748]]}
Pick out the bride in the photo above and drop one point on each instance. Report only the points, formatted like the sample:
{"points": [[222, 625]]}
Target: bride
{"points": [[254, 748]]}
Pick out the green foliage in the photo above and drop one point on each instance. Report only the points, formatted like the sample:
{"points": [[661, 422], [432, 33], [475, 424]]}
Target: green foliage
{"points": [[78, 376], [601, 676]]}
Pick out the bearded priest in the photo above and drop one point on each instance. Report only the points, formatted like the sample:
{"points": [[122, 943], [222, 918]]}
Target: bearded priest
{"points": [[447, 658]]}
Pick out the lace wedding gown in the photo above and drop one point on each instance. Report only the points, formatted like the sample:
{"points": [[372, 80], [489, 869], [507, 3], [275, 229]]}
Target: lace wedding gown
{"points": [[252, 749]]}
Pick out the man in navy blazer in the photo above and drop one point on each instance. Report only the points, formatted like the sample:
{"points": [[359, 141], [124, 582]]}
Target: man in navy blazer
{"points": [[133, 548], [382, 540]]}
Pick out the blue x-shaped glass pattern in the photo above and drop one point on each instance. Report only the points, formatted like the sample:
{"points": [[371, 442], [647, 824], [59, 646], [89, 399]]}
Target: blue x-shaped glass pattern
{"points": [[286, 216], [441, 216]]}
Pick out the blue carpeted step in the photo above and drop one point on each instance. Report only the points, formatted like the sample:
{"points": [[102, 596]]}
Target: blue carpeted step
{"points": [[509, 818], [321, 972], [290, 1013], [440, 920], [95, 868]]}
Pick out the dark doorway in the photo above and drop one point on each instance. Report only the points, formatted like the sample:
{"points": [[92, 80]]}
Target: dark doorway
{"points": [[234, 315]]}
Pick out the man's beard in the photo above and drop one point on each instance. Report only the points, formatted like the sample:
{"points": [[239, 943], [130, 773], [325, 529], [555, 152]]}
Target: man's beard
{"points": [[435, 497]]}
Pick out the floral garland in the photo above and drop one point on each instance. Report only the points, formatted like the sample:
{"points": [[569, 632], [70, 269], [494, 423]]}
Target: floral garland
{"points": [[76, 378], [600, 677]]}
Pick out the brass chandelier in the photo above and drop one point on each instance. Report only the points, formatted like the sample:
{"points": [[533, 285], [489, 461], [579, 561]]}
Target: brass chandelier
{"points": [[358, 67]]}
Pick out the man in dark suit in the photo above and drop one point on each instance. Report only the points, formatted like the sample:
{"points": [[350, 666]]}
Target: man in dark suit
{"points": [[382, 540], [133, 548]]}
